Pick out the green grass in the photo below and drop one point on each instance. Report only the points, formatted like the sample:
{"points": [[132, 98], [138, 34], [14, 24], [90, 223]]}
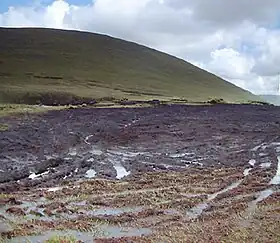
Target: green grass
{"points": [[62, 239], [40, 64], [3, 127], [3, 239], [21, 109]]}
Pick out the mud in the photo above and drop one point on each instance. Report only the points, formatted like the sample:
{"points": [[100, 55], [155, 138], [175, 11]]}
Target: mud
{"points": [[108, 232], [145, 170], [45, 150]]}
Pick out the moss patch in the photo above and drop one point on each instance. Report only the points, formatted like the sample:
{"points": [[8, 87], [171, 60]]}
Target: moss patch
{"points": [[3, 127]]}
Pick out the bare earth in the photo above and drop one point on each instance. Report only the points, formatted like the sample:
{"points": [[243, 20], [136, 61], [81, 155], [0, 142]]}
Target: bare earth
{"points": [[165, 174]]}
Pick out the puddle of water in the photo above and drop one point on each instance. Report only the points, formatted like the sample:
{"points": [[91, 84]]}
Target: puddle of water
{"points": [[5, 227], [276, 179], [121, 171], [81, 203], [265, 146], [181, 155], [48, 157], [65, 177], [90, 174], [247, 171], [261, 196], [34, 176], [196, 163], [275, 144], [126, 154], [163, 165], [128, 125], [255, 149], [261, 146], [265, 165], [117, 232], [114, 211], [196, 211], [96, 151], [86, 237], [55, 189], [28, 207], [166, 166], [252, 162], [190, 195], [189, 162], [252, 206], [72, 152], [87, 138], [171, 211], [232, 186]]}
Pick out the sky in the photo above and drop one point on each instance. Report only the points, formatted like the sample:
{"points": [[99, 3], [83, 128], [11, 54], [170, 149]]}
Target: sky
{"points": [[238, 40]]}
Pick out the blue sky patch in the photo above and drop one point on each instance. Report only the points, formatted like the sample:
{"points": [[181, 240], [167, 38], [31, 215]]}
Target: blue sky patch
{"points": [[5, 4]]}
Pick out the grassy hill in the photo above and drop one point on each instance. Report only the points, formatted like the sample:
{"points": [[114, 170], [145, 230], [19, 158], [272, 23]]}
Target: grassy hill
{"points": [[37, 64]]}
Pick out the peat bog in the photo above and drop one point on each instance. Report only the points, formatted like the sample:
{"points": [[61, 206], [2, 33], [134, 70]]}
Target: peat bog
{"points": [[173, 173]]}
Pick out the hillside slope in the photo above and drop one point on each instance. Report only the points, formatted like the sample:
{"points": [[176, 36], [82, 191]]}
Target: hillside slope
{"points": [[45, 62]]}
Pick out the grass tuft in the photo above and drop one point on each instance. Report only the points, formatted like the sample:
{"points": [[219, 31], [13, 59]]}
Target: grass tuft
{"points": [[3, 127], [13, 109], [62, 239]]}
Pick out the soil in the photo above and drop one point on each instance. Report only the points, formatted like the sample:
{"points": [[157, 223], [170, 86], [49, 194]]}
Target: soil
{"points": [[162, 138], [157, 168]]}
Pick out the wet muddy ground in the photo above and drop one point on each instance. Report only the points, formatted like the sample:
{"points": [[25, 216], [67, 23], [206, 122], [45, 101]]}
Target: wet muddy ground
{"points": [[142, 174]]}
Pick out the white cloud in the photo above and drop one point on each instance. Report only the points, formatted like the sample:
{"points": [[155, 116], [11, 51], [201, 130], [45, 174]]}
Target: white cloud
{"points": [[268, 62], [228, 13], [234, 39], [230, 64], [54, 15]]}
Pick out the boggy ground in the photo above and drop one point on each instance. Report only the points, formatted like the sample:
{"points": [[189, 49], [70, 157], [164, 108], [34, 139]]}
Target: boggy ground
{"points": [[166, 174]]}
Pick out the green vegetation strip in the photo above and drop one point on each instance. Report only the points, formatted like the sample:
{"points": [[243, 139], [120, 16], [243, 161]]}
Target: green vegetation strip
{"points": [[62, 239]]}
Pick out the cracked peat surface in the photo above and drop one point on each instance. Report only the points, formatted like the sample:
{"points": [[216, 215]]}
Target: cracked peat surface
{"points": [[164, 174]]}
